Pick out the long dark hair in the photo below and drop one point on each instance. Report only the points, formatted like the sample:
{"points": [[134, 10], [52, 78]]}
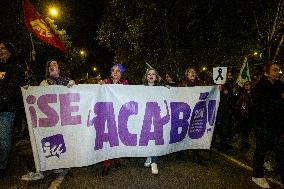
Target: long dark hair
{"points": [[61, 67], [10, 47], [172, 75]]}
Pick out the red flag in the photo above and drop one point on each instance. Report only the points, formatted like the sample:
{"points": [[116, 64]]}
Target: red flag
{"points": [[36, 24]]}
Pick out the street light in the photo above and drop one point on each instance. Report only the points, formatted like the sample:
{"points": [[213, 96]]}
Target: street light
{"points": [[94, 68], [256, 55], [53, 11], [82, 52]]}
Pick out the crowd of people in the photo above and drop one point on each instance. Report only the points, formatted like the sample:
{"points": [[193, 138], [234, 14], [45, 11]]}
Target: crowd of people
{"points": [[254, 107]]}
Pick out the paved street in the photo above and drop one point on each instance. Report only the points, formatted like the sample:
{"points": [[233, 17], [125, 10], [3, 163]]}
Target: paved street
{"points": [[217, 171]]}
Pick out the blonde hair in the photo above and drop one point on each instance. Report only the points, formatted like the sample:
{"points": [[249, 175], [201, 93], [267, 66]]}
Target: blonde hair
{"points": [[188, 69], [144, 79]]}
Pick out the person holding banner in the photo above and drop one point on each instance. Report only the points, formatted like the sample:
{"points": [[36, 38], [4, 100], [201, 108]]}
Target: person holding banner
{"points": [[151, 78], [54, 76], [116, 72], [11, 78], [170, 80], [191, 80]]}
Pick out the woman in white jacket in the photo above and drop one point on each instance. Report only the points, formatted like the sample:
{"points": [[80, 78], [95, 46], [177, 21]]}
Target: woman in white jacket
{"points": [[54, 76]]}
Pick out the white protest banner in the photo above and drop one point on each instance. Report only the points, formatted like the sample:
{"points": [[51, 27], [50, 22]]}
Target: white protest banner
{"points": [[86, 124], [219, 75]]}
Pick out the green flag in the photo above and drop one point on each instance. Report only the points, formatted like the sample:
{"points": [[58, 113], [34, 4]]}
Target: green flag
{"points": [[244, 75]]}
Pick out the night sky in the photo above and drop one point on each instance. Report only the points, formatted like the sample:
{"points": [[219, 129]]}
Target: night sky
{"points": [[81, 20], [85, 17], [222, 30], [84, 20]]}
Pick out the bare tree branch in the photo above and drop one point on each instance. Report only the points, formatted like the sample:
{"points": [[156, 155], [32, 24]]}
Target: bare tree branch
{"points": [[278, 48], [273, 30], [257, 26]]}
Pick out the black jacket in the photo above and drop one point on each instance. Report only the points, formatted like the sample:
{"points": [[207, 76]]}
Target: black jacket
{"points": [[266, 99], [227, 101], [11, 78]]}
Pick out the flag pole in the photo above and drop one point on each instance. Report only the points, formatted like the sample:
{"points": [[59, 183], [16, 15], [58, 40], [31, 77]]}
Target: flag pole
{"points": [[32, 55], [149, 65], [32, 42]]}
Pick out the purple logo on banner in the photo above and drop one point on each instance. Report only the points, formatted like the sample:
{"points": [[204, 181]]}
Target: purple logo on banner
{"points": [[53, 146], [211, 112], [199, 118]]}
